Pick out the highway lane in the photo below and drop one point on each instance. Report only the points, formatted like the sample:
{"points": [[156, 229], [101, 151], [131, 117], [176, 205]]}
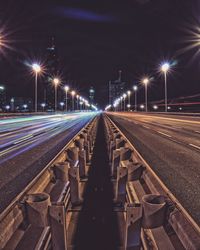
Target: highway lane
{"points": [[27, 144], [171, 146]]}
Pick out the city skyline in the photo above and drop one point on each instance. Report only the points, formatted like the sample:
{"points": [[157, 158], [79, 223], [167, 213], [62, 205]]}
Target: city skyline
{"points": [[93, 46]]}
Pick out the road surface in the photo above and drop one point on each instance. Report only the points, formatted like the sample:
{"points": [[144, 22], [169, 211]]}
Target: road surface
{"points": [[171, 146], [28, 143]]}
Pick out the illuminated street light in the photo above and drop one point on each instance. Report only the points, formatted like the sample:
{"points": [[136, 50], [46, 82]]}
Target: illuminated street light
{"points": [[7, 107], [62, 105], [145, 82], [36, 69], [135, 88], [124, 97], [66, 88], [25, 106], [43, 106], [56, 82], [129, 101], [73, 94], [155, 107], [165, 67], [142, 106], [77, 101]]}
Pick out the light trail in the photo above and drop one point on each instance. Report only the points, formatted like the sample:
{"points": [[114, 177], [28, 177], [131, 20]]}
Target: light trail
{"points": [[18, 134]]}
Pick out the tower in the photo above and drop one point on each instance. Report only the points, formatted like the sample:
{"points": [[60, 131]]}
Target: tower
{"points": [[116, 88], [51, 70], [91, 95]]}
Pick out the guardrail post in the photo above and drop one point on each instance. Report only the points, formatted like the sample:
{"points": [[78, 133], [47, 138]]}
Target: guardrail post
{"points": [[125, 153], [115, 162], [86, 145], [122, 177], [74, 180], [133, 227], [72, 155], [57, 218], [120, 142], [79, 143], [154, 210], [61, 171], [37, 209], [134, 171], [82, 163]]}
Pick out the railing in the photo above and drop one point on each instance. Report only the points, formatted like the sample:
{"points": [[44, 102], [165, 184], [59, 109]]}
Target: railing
{"points": [[37, 217], [153, 218]]}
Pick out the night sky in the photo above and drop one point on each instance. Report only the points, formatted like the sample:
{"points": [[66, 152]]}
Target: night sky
{"points": [[95, 39]]}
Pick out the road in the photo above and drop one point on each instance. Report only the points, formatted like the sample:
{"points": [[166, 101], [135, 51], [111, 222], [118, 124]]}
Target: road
{"points": [[171, 146], [28, 143]]}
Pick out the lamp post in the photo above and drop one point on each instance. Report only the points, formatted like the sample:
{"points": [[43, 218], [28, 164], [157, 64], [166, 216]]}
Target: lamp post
{"points": [[73, 94], [56, 82], [124, 96], [135, 88], [66, 88], [37, 69], [77, 100], [62, 105], [165, 68], [145, 82], [43, 106], [129, 99]]}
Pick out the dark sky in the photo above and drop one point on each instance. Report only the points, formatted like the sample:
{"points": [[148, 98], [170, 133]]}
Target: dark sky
{"points": [[96, 38]]}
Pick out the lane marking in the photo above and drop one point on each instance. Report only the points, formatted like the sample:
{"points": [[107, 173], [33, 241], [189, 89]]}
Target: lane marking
{"points": [[194, 146], [146, 126], [164, 134]]}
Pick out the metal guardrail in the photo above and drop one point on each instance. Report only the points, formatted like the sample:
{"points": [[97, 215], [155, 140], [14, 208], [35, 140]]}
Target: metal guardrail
{"points": [[37, 217], [153, 217]]}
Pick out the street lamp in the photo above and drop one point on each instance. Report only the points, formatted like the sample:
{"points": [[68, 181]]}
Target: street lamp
{"points": [[77, 100], [165, 67], [37, 69], [124, 96], [73, 94], [56, 82], [145, 82], [129, 101], [66, 88], [43, 106], [142, 106], [25, 106], [62, 105], [135, 88]]}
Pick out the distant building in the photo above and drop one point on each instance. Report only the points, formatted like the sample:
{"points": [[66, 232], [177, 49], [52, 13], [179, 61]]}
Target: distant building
{"points": [[116, 88], [91, 95], [51, 70]]}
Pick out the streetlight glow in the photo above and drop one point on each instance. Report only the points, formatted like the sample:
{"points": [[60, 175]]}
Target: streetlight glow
{"points": [[146, 81], [56, 82], [135, 88], [36, 68], [165, 67]]}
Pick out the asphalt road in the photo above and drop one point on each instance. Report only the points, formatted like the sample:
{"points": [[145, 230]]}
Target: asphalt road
{"points": [[28, 143], [171, 146]]}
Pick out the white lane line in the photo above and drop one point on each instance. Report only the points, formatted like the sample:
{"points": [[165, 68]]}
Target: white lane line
{"points": [[194, 146], [164, 134], [146, 126]]}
